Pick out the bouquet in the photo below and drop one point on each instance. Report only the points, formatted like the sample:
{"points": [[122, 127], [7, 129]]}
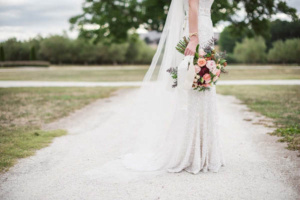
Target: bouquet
{"points": [[207, 62]]}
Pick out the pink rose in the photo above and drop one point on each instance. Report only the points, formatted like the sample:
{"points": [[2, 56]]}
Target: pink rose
{"points": [[211, 65], [218, 72], [197, 69], [201, 62], [202, 52], [207, 78]]}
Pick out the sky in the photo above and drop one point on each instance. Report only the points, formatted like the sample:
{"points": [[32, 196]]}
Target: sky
{"points": [[26, 19]]}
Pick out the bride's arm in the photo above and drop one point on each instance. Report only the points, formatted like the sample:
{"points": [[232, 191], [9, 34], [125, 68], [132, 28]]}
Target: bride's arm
{"points": [[193, 27]]}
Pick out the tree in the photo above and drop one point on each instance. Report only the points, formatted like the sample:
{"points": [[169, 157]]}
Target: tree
{"points": [[285, 51], [107, 18], [16, 50], [251, 50], [32, 53], [2, 54], [228, 40], [56, 49], [114, 18], [283, 30]]}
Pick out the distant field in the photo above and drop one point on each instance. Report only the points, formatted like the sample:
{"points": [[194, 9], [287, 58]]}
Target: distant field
{"points": [[263, 73], [137, 73]]}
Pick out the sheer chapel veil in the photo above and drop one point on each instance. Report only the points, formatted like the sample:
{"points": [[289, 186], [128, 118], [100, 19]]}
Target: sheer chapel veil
{"points": [[156, 118]]}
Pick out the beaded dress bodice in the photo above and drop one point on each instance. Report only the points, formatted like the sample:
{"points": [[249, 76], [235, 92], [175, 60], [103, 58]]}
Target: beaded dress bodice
{"points": [[205, 26]]}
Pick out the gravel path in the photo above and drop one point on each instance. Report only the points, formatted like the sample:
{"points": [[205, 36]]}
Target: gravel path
{"points": [[6, 84], [84, 164]]}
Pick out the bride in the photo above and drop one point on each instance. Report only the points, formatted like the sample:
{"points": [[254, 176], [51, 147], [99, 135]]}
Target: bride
{"points": [[176, 129]]}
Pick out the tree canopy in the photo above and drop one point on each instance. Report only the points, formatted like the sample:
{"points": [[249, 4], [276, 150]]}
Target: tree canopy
{"points": [[279, 30], [114, 18]]}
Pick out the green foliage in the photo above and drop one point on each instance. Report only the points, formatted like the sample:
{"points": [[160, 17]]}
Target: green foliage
{"points": [[62, 50], [2, 54], [112, 19], [56, 49], [16, 50], [107, 18], [32, 53], [285, 52], [182, 45], [282, 30], [285, 30], [251, 50], [228, 39], [291, 135]]}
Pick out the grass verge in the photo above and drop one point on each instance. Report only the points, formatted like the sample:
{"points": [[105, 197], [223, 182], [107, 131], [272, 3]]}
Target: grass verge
{"points": [[137, 74], [281, 103], [25, 110]]}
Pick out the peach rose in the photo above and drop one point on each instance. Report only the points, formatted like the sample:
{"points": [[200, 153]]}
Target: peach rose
{"points": [[207, 78], [218, 72], [201, 62], [197, 69]]}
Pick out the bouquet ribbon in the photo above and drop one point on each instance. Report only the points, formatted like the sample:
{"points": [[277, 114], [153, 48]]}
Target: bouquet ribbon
{"points": [[186, 73]]}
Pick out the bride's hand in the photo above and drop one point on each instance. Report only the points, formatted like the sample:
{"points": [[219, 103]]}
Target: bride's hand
{"points": [[191, 48]]}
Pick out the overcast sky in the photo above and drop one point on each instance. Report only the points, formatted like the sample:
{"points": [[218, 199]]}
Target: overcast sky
{"points": [[25, 19]]}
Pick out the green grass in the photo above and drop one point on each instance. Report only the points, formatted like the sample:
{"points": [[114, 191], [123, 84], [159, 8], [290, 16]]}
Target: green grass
{"points": [[281, 103], [66, 74], [94, 74], [261, 74], [25, 110]]}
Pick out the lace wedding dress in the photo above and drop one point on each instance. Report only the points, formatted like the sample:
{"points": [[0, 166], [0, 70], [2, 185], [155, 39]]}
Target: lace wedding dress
{"points": [[182, 126]]}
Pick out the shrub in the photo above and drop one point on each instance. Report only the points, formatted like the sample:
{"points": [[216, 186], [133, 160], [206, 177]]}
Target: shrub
{"points": [[285, 52], [2, 54], [63, 50], [251, 50]]}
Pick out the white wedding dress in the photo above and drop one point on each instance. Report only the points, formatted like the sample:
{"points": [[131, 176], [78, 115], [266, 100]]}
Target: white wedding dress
{"points": [[178, 129]]}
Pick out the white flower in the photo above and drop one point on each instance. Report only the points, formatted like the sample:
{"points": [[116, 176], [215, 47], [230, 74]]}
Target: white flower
{"points": [[202, 52], [211, 65], [215, 71]]}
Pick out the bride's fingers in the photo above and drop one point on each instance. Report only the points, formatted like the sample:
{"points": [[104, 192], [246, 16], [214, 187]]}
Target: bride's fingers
{"points": [[188, 52], [185, 52]]}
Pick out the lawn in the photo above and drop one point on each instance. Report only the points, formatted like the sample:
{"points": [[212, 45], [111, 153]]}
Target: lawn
{"points": [[236, 73], [137, 74], [281, 103], [25, 110], [68, 74]]}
